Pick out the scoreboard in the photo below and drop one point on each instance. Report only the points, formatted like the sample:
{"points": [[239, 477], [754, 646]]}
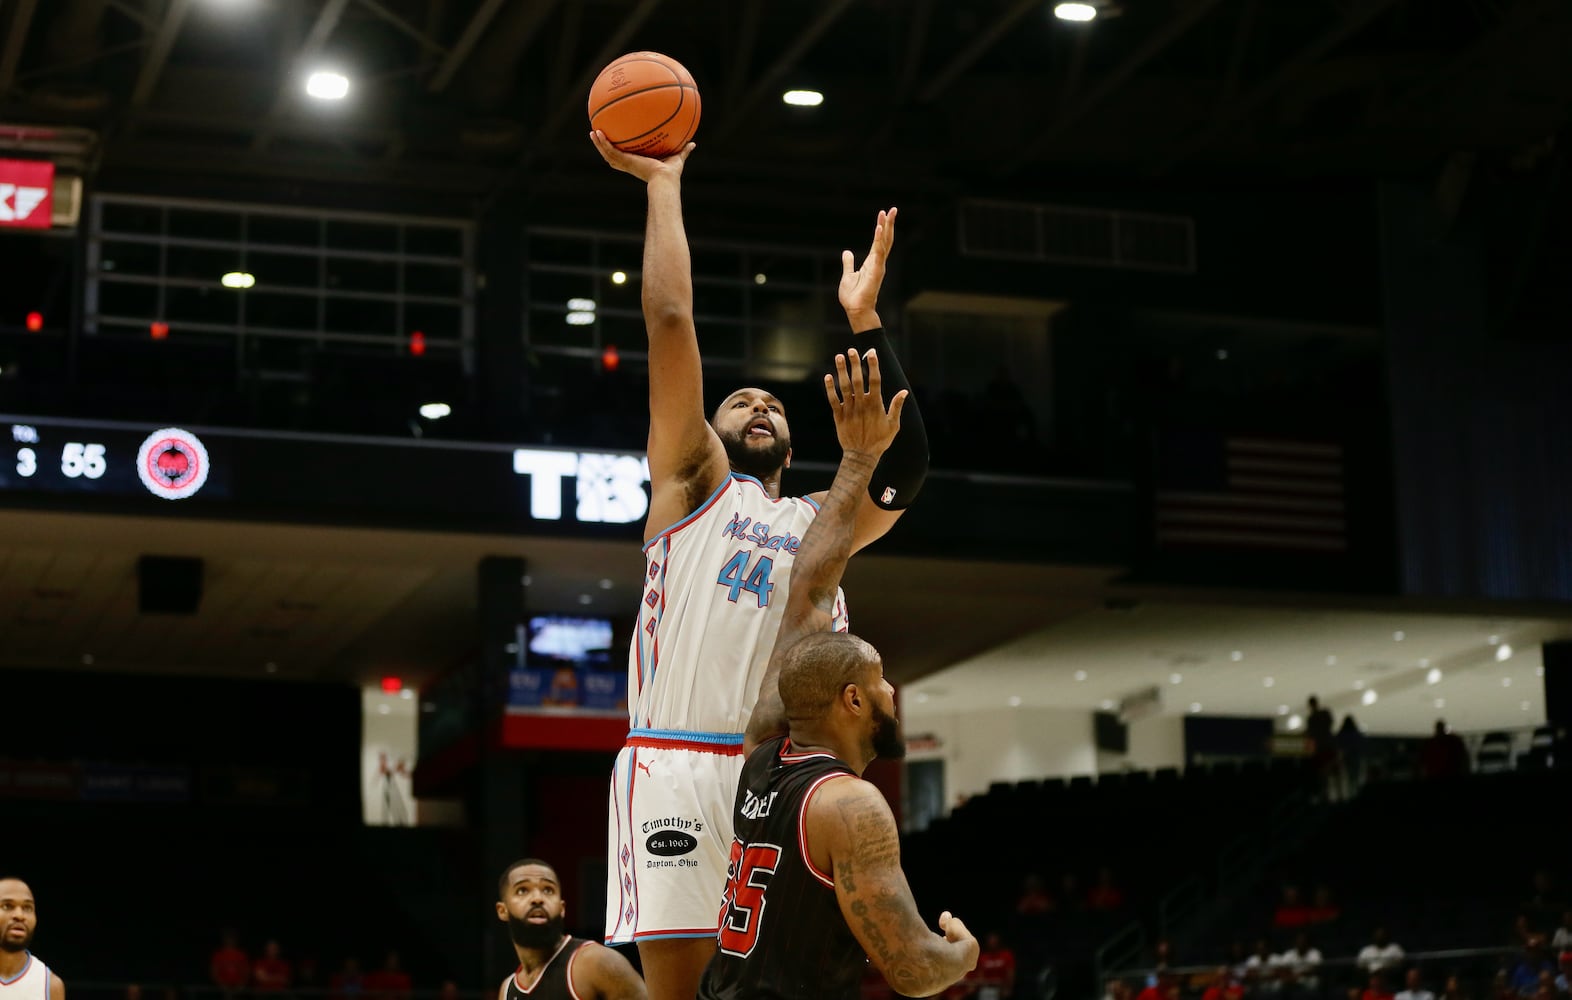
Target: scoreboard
{"points": [[166, 462]]}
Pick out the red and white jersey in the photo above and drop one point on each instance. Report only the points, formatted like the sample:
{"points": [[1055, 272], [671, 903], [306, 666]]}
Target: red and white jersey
{"points": [[32, 983], [714, 592]]}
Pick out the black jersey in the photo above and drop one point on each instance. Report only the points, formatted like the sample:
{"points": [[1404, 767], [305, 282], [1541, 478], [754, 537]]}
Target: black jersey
{"points": [[782, 935], [555, 980]]}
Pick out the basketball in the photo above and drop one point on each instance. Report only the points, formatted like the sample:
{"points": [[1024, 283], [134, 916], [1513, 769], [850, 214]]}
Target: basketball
{"points": [[645, 103]]}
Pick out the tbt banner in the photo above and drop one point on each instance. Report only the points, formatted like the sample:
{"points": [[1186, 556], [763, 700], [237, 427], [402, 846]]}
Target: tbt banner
{"points": [[27, 190]]}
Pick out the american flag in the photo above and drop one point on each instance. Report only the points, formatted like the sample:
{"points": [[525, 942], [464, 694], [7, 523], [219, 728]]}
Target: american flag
{"points": [[1237, 492]]}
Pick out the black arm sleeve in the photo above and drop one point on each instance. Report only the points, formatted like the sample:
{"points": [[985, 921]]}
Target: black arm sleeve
{"points": [[904, 467]]}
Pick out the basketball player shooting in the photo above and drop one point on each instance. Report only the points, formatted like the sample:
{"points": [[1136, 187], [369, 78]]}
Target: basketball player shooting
{"points": [[23, 976], [719, 543], [554, 965], [815, 887]]}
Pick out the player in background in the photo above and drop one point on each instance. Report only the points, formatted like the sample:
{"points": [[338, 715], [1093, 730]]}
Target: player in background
{"points": [[554, 965], [22, 975], [815, 889], [719, 542]]}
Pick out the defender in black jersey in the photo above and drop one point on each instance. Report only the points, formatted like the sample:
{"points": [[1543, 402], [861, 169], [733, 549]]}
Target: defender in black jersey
{"points": [[814, 888], [552, 964]]}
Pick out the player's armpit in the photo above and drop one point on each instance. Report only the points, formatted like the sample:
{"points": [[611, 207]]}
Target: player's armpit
{"points": [[852, 832], [602, 973]]}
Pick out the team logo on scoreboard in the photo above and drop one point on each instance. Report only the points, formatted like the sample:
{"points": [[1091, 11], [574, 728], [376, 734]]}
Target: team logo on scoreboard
{"points": [[172, 463]]}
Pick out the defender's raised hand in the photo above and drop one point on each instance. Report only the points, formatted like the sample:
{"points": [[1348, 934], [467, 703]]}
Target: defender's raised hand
{"points": [[645, 168], [861, 421], [859, 288]]}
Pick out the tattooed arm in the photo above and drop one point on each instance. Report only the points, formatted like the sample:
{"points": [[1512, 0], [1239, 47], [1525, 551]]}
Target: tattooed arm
{"points": [[865, 429], [852, 835]]}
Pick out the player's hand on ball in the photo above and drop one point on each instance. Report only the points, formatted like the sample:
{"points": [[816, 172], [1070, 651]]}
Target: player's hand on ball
{"points": [[956, 933], [645, 168], [859, 288], [861, 421]]}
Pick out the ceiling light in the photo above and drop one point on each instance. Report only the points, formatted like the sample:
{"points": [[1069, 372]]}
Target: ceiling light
{"points": [[1368, 698], [803, 98], [1236, 656], [1331, 661], [383, 709], [760, 278], [1222, 355], [1074, 11], [580, 318], [1424, 661], [1295, 723], [581, 305], [327, 86], [1175, 678], [407, 694], [1399, 635], [1503, 653], [1506, 682], [1080, 675], [238, 279], [619, 277], [1523, 705], [586, 599], [1434, 676], [1282, 710], [1494, 640], [1359, 685], [605, 584], [1015, 701], [1107, 704], [1267, 682], [1195, 706], [435, 411]]}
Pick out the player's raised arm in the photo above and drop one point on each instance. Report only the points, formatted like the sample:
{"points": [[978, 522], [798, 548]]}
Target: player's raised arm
{"points": [[687, 460], [904, 466], [865, 428], [853, 822]]}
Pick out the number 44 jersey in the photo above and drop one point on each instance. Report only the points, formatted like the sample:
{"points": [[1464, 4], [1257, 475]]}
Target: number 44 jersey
{"points": [[714, 591], [782, 934]]}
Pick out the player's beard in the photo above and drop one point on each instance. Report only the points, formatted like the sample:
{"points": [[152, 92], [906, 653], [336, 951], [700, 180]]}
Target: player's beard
{"points": [[537, 936], [14, 945], [761, 461], [889, 743]]}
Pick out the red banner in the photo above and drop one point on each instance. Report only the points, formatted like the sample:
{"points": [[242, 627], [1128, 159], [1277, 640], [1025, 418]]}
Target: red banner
{"points": [[27, 193]]}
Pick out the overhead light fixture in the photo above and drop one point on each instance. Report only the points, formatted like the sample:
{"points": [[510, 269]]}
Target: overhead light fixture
{"points": [[1080, 675], [1434, 676], [1282, 710], [1369, 697], [586, 599], [1506, 682], [1503, 652], [408, 694], [1399, 635], [1267, 682], [1175, 678], [1074, 11], [1107, 705], [1331, 661], [1524, 705], [619, 277], [1295, 723], [1236, 656], [1195, 707], [326, 85], [1359, 685], [1222, 355], [803, 98], [760, 278], [383, 709], [1494, 640], [1424, 661], [580, 318], [581, 305], [606, 584], [1015, 701], [238, 279], [435, 411]]}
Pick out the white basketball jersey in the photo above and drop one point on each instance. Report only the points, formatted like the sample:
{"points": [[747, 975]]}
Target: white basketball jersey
{"points": [[32, 983], [714, 592]]}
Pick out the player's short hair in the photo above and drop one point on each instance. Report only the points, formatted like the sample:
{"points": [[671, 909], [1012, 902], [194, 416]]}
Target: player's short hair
{"points": [[502, 880], [818, 667]]}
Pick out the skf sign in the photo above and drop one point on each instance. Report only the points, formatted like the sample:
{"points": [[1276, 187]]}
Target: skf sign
{"points": [[27, 190], [607, 488]]}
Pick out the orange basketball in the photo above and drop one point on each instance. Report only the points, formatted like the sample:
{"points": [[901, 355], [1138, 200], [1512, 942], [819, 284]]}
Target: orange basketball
{"points": [[646, 103]]}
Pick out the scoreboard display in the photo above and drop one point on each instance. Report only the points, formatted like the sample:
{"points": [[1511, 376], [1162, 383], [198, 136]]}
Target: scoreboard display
{"points": [[166, 462]]}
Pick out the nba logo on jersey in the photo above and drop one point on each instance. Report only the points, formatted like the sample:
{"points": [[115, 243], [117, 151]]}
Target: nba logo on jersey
{"points": [[888, 496]]}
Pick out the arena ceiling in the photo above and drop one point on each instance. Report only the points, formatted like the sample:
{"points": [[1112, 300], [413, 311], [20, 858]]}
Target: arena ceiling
{"points": [[479, 97]]}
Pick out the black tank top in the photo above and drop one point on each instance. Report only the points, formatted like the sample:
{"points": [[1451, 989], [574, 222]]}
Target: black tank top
{"points": [[782, 934], [553, 983]]}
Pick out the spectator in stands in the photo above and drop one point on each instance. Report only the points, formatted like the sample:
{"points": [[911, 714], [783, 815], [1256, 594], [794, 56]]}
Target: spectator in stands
{"points": [[1351, 758], [1502, 988], [1261, 970], [1167, 983], [1413, 987], [347, 983], [994, 976], [1380, 954], [1376, 989], [1224, 986], [1443, 755], [1237, 959], [1104, 897], [1291, 911], [1324, 910], [1299, 966], [230, 966], [271, 973], [1453, 989], [1562, 941], [1034, 899], [1563, 982], [1526, 974], [390, 982], [1323, 745], [1116, 989]]}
